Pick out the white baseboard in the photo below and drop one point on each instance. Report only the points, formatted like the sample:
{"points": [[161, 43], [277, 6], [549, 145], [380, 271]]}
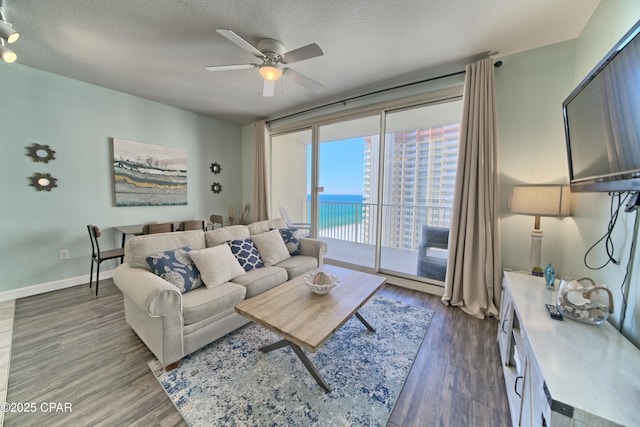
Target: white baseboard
{"points": [[427, 288], [42, 288]]}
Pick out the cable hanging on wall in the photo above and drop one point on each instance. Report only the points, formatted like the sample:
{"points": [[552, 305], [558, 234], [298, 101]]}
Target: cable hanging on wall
{"points": [[608, 241], [618, 199]]}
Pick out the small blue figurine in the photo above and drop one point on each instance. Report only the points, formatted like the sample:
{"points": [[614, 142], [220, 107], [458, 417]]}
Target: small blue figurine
{"points": [[549, 276]]}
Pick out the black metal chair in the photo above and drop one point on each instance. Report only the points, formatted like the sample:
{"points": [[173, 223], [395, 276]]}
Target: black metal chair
{"points": [[432, 252], [97, 255], [196, 224], [216, 219]]}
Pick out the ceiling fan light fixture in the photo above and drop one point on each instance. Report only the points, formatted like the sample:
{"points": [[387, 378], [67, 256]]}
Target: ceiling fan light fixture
{"points": [[270, 71], [274, 59]]}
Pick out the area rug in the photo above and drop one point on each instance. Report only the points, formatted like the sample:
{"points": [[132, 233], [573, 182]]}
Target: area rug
{"points": [[231, 383]]}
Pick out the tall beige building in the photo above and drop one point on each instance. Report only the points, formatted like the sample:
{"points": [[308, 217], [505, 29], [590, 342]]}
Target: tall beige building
{"points": [[420, 170]]}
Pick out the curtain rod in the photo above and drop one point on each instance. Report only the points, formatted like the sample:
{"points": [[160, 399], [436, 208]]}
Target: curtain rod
{"points": [[375, 92], [497, 64]]}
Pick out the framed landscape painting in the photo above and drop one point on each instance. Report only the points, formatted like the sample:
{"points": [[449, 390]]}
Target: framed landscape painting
{"points": [[149, 174]]}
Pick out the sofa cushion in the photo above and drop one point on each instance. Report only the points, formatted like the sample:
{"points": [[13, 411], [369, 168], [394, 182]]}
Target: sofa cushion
{"points": [[298, 265], [271, 247], [220, 235], [202, 303], [260, 227], [290, 240], [176, 267], [246, 253], [217, 265], [261, 279], [138, 248]]}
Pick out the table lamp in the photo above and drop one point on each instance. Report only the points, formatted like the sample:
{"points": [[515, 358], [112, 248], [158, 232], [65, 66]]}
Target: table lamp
{"points": [[540, 200]]}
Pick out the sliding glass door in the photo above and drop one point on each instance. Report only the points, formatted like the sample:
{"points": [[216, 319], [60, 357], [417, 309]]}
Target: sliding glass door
{"points": [[347, 189], [377, 188], [420, 159]]}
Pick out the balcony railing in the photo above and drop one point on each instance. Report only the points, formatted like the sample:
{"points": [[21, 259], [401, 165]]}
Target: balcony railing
{"points": [[401, 223]]}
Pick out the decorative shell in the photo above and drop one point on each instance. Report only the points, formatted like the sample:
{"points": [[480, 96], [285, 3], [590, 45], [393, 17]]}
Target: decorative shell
{"points": [[587, 304], [321, 278], [321, 282]]}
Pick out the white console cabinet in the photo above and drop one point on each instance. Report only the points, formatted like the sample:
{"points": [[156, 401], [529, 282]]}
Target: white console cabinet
{"points": [[563, 373]]}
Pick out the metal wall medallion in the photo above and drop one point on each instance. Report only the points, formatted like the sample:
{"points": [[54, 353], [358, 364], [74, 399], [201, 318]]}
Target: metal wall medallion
{"points": [[216, 168], [41, 153], [216, 187], [43, 181]]}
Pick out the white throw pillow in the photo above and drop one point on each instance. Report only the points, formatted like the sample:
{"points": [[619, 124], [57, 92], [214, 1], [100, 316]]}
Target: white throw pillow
{"points": [[271, 247], [217, 265]]}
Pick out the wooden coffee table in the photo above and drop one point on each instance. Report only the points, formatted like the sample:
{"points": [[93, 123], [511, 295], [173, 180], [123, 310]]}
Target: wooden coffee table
{"points": [[306, 320]]}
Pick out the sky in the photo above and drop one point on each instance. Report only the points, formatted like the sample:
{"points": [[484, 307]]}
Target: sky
{"points": [[341, 166]]}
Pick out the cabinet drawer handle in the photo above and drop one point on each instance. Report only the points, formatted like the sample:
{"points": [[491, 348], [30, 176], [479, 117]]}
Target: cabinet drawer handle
{"points": [[515, 385]]}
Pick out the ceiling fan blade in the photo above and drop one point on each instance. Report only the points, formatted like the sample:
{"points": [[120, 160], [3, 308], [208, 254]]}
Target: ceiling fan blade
{"points": [[303, 80], [239, 41], [269, 88], [230, 67], [305, 52]]}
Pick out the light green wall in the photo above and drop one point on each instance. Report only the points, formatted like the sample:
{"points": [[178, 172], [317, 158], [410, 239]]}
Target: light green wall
{"points": [[530, 88], [611, 20], [78, 120]]}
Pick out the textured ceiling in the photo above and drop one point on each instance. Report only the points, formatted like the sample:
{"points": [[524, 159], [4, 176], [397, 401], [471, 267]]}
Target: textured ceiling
{"points": [[158, 49]]}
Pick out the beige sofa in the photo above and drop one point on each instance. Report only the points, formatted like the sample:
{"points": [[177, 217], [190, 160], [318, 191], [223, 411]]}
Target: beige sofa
{"points": [[173, 324]]}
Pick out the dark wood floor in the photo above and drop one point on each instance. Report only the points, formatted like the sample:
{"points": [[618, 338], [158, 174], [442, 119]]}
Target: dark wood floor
{"points": [[69, 346]]}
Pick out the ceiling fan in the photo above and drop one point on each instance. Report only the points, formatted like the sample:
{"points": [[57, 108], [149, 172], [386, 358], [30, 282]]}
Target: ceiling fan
{"points": [[274, 56]]}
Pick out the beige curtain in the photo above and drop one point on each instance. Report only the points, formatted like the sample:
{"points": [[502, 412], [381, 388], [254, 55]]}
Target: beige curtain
{"points": [[261, 180], [473, 281]]}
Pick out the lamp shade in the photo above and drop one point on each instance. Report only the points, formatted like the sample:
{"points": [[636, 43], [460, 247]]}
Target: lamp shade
{"points": [[541, 200], [270, 72]]}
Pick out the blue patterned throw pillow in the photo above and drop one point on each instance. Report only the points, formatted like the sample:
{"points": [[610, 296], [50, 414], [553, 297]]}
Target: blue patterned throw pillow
{"points": [[176, 267], [290, 240], [246, 253]]}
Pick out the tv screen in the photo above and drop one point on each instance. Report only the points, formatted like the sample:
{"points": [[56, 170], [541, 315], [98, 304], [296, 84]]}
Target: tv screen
{"points": [[602, 122]]}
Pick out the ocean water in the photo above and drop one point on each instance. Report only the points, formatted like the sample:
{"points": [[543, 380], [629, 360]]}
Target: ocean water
{"points": [[338, 209]]}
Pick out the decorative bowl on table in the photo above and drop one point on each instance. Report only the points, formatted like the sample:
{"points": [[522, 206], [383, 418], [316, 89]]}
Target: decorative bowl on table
{"points": [[320, 282], [590, 304]]}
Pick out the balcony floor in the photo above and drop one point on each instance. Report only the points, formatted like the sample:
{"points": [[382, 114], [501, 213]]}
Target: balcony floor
{"points": [[398, 260]]}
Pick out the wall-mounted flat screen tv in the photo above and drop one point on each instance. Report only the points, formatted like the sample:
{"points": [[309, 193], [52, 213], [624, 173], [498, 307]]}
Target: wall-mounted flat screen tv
{"points": [[602, 122]]}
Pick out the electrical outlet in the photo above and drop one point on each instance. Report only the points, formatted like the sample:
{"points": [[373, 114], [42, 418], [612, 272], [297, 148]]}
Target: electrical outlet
{"points": [[64, 254]]}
